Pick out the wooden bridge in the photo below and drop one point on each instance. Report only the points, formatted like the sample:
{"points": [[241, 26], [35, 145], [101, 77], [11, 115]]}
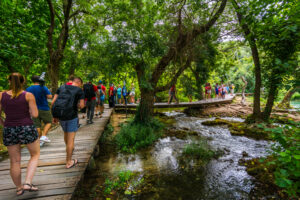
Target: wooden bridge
{"points": [[194, 104], [52, 178]]}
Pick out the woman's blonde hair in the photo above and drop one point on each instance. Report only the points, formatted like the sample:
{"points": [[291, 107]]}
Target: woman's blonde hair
{"points": [[16, 84]]}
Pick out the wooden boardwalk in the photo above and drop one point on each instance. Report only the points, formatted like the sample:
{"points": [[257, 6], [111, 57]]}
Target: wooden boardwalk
{"points": [[52, 178], [194, 104]]}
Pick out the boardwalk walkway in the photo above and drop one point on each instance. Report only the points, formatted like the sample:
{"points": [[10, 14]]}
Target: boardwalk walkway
{"points": [[204, 102], [52, 178]]}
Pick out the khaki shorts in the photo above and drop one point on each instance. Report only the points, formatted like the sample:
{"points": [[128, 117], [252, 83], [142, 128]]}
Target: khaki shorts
{"points": [[44, 116]]}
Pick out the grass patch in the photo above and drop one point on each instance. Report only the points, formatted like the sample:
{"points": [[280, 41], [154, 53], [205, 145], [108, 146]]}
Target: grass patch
{"points": [[120, 182], [134, 135], [200, 150]]}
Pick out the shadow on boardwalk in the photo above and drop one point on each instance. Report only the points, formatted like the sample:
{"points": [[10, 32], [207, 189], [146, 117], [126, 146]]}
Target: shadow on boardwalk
{"points": [[52, 178]]}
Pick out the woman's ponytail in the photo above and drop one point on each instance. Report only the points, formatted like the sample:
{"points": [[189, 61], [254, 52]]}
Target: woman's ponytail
{"points": [[16, 84]]}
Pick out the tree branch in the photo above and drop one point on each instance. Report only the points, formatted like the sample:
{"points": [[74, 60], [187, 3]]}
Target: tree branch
{"points": [[59, 18], [76, 12], [51, 28], [182, 41], [64, 33], [174, 79]]}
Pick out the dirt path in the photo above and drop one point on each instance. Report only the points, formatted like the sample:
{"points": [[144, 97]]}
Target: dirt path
{"points": [[236, 109]]}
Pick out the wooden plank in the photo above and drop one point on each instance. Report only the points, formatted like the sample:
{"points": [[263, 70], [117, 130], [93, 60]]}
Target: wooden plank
{"points": [[50, 186], [39, 194], [58, 197], [47, 162]]}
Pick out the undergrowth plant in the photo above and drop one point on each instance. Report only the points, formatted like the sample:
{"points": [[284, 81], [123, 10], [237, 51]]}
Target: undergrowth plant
{"points": [[120, 182], [136, 135], [109, 129], [287, 158], [200, 150]]}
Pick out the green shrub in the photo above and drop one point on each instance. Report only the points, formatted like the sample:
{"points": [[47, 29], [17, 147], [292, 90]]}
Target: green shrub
{"points": [[109, 129], [135, 135], [199, 150], [287, 158], [296, 96], [120, 182]]}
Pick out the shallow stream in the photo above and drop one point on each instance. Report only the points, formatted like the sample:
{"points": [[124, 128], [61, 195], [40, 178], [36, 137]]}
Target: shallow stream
{"points": [[221, 178]]}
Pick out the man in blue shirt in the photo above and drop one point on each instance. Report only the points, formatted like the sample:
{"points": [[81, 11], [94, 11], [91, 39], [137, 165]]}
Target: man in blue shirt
{"points": [[124, 93], [41, 94]]}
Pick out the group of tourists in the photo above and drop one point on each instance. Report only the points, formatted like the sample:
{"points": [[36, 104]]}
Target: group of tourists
{"points": [[28, 118], [220, 90], [121, 95]]}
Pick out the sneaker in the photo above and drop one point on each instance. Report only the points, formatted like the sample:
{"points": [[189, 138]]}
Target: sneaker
{"points": [[91, 122], [87, 121], [42, 143], [45, 139]]}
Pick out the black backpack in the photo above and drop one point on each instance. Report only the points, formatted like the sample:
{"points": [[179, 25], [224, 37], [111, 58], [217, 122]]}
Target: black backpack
{"points": [[63, 106], [100, 90], [89, 92]]}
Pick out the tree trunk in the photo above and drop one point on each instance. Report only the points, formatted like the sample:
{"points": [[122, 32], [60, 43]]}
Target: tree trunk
{"points": [[270, 102], [257, 71], [274, 81], [53, 71], [243, 90], [145, 109], [56, 55], [199, 86], [285, 103]]}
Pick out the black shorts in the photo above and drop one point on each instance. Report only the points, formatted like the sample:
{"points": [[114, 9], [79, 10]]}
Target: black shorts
{"points": [[19, 135]]}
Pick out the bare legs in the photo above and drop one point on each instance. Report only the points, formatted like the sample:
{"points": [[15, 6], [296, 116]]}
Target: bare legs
{"points": [[69, 141], [14, 152], [46, 129], [34, 150]]}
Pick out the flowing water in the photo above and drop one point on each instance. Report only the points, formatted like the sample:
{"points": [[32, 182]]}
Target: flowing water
{"points": [[295, 104], [221, 178]]}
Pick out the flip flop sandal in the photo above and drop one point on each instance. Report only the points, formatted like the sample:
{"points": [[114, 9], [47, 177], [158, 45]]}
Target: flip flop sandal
{"points": [[31, 188], [20, 190], [75, 162]]}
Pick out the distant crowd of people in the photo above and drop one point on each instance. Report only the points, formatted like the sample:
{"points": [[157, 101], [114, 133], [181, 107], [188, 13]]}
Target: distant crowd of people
{"points": [[219, 90]]}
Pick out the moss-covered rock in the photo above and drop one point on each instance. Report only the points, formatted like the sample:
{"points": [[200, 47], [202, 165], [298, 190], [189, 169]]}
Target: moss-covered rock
{"points": [[167, 121], [179, 133], [263, 172]]}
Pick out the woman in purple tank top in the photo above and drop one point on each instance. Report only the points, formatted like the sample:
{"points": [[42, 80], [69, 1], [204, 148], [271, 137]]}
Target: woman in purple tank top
{"points": [[19, 106]]}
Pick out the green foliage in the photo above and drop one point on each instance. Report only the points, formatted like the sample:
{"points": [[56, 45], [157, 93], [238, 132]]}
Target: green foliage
{"points": [[109, 129], [120, 182], [287, 158], [134, 135], [296, 96]]}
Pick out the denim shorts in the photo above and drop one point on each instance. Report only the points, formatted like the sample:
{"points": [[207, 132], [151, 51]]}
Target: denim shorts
{"points": [[69, 125], [19, 135]]}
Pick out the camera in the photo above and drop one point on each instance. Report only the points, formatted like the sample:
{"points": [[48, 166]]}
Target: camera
{"points": [[42, 79], [39, 79]]}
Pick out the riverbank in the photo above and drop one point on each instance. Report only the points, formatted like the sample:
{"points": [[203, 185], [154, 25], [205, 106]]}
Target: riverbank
{"points": [[236, 109], [163, 171]]}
